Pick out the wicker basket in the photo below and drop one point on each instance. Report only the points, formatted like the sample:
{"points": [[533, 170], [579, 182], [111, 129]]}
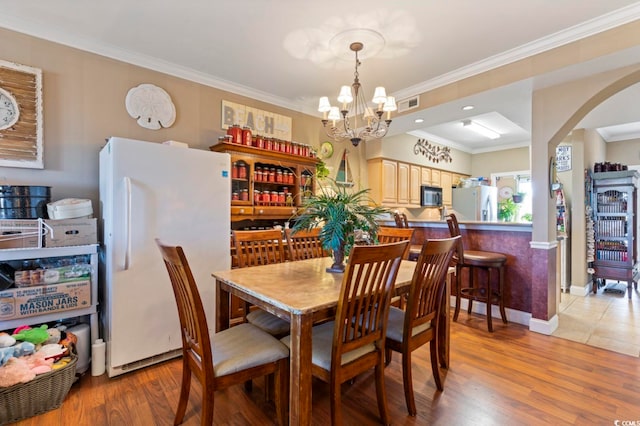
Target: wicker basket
{"points": [[44, 393]]}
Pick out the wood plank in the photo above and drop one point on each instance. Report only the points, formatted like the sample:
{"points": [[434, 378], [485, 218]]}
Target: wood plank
{"points": [[511, 376]]}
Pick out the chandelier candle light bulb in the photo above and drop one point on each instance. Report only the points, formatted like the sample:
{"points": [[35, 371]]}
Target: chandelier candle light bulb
{"points": [[354, 106]]}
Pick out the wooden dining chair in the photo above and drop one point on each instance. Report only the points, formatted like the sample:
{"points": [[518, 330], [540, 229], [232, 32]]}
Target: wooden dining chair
{"points": [[255, 248], [230, 357], [388, 234], [419, 323], [304, 244], [401, 220], [354, 342]]}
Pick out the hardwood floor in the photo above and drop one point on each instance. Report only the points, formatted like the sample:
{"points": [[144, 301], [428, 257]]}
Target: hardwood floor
{"points": [[511, 376]]}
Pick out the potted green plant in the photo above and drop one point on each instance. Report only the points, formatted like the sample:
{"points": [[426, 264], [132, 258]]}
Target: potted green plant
{"points": [[507, 210], [340, 212]]}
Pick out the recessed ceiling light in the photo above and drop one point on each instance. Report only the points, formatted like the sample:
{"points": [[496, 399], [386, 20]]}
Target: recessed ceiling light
{"points": [[419, 120], [467, 107]]}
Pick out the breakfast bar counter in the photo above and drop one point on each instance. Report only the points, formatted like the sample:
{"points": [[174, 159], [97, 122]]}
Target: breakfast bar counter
{"points": [[512, 239]]}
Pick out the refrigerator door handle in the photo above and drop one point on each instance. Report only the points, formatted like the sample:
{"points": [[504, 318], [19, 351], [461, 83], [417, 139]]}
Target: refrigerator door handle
{"points": [[127, 222]]}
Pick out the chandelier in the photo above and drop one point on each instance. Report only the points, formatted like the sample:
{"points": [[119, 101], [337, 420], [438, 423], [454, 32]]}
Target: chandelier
{"points": [[355, 120]]}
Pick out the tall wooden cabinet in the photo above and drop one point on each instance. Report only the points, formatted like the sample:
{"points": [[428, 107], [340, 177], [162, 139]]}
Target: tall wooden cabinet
{"points": [[614, 201], [267, 184]]}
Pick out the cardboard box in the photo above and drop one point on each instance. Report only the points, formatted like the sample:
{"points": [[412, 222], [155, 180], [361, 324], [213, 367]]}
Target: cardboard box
{"points": [[20, 233], [70, 232], [32, 301], [62, 274]]}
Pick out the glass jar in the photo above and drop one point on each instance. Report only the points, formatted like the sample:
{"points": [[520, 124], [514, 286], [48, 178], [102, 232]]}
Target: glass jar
{"points": [[257, 174], [279, 176], [268, 144], [247, 137], [272, 175], [244, 195], [275, 144], [281, 198], [236, 133], [256, 196], [242, 171], [234, 170], [235, 196], [274, 197], [258, 142], [295, 148]]}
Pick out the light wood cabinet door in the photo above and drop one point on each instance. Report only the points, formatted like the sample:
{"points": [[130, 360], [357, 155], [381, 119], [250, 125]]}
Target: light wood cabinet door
{"points": [[425, 176], [403, 183], [445, 183], [383, 181], [389, 182], [435, 177], [415, 180]]}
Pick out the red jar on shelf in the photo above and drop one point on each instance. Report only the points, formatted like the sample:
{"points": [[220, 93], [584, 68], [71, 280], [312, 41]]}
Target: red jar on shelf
{"points": [[279, 176], [242, 171], [247, 137], [275, 144], [236, 133], [258, 142], [272, 175], [234, 171], [274, 197], [268, 144]]}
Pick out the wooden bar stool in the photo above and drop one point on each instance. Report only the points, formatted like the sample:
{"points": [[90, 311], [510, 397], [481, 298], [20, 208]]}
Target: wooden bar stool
{"points": [[473, 290]]}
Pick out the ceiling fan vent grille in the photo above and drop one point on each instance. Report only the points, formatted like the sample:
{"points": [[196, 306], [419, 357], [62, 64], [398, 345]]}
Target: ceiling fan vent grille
{"points": [[409, 103]]}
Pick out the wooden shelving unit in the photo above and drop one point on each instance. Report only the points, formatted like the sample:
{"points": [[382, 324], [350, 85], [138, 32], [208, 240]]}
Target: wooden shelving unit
{"points": [[614, 200]]}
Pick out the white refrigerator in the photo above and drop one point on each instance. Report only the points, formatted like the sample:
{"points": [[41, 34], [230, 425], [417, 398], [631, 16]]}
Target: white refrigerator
{"points": [[152, 190], [479, 203]]}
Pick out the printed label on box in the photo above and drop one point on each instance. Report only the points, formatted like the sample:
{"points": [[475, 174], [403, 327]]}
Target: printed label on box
{"points": [[31, 301]]}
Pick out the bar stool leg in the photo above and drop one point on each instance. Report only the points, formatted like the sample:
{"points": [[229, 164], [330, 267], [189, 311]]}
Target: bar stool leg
{"points": [[458, 292], [472, 285], [489, 296], [503, 314]]}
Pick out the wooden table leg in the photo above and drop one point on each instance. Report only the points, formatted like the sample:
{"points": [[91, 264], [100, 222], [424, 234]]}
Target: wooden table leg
{"points": [[223, 300], [300, 379]]}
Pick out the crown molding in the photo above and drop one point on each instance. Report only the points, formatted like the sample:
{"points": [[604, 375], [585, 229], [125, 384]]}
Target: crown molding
{"points": [[588, 28], [577, 32]]}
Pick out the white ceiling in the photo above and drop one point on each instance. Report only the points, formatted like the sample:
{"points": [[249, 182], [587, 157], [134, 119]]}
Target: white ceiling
{"points": [[290, 52]]}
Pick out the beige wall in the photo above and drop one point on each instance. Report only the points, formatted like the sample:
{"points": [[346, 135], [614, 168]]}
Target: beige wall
{"points": [[83, 103], [624, 152], [508, 160]]}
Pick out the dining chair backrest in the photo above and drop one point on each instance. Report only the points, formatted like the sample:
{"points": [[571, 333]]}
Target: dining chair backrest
{"points": [[428, 283], [365, 295], [303, 244], [401, 220], [255, 248], [388, 234], [196, 342], [454, 231]]}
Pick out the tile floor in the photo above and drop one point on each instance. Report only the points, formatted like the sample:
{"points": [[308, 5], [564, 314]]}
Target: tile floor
{"points": [[606, 320]]}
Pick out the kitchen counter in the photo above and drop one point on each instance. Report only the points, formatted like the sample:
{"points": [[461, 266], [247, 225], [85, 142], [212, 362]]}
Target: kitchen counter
{"points": [[512, 239]]}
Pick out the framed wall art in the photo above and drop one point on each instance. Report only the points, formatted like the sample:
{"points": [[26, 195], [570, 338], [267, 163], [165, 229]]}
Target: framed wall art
{"points": [[21, 134]]}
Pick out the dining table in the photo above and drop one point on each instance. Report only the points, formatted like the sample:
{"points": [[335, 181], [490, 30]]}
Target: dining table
{"points": [[303, 293]]}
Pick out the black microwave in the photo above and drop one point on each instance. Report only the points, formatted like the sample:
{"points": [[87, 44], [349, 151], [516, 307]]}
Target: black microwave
{"points": [[430, 196]]}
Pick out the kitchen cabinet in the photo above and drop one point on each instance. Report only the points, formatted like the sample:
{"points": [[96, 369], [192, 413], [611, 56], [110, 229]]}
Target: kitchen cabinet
{"points": [[445, 183], [415, 179], [394, 183], [65, 255], [614, 202], [404, 183], [435, 177], [425, 176], [267, 184]]}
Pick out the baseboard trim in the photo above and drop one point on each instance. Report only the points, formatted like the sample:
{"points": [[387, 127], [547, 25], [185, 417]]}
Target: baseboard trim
{"points": [[542, 326], [480, 308]]}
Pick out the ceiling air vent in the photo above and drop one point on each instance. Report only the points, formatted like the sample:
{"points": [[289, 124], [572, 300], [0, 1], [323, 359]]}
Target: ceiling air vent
{"points": [[409, 103]]}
